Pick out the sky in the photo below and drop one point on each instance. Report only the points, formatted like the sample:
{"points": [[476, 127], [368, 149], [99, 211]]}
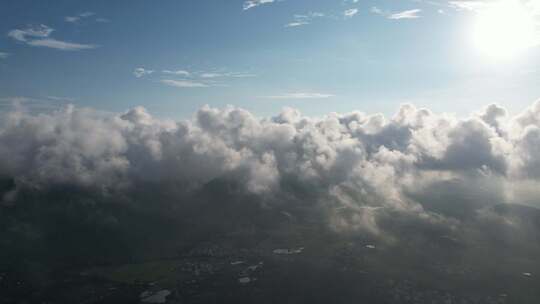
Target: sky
{"points": [[318, 56]]}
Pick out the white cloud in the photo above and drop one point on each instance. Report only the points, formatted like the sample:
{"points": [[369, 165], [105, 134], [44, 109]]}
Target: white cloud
{"points": [[242, 75], [300, 95], [225, 75], [60, 98], [40, 36], [358, 168], [4, 55], [183, 83], [72, 19], [140, 72], [87, 14], [350, 12], [61, 45], [365, 164], [211, 75], [77, 18], [408, 14], [377, 11], [177, 72], [255, 3], [304, 19], [470, 5], [190, 79], [296, 23], [531, 6], [40, 31]]}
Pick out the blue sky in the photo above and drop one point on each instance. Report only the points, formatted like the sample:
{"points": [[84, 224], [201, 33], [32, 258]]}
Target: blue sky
{"points": [[319, 56]]}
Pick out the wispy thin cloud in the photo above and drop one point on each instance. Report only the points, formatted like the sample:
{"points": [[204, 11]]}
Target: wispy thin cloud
{"points": [[304, 19], [60, 98], [254, 3], [177, 72], [211, 75], [40, 36], [40, 31], [296, 23], [408, 14], [86, 15], [226, 74], [61, 45], [193, 79], [77, 18], [208, 74], [4, 55], [183, 83], [300, 95], [350, 12], [469, 5], [377, 11], [141, 72], [72, 19]]}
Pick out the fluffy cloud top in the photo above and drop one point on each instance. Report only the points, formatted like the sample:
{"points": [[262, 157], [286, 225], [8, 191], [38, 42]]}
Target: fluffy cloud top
{"points": [[361, 163]]}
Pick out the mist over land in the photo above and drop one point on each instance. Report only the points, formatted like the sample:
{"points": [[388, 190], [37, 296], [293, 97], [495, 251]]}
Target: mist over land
{"points": [[230, 207]]}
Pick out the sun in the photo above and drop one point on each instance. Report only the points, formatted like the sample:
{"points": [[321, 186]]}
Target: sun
{"points": [[505, 29]]}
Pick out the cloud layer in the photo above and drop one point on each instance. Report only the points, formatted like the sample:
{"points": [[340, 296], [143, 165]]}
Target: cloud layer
{"points": [[41, 36], [356, 167]]}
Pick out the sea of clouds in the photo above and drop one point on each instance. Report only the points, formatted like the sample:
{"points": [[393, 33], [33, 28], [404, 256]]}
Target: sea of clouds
{"points": [[358, 167]]}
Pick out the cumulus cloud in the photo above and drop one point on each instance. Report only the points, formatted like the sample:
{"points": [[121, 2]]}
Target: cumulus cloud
{"points": [[358, 169], [40, 36]]}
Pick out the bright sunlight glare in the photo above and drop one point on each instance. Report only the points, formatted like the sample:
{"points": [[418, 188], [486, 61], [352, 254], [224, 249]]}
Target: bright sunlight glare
{"points": [[505, 29]]}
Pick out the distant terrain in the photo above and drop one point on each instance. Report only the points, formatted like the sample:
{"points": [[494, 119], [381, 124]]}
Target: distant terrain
{"points": [[254, 254]]}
